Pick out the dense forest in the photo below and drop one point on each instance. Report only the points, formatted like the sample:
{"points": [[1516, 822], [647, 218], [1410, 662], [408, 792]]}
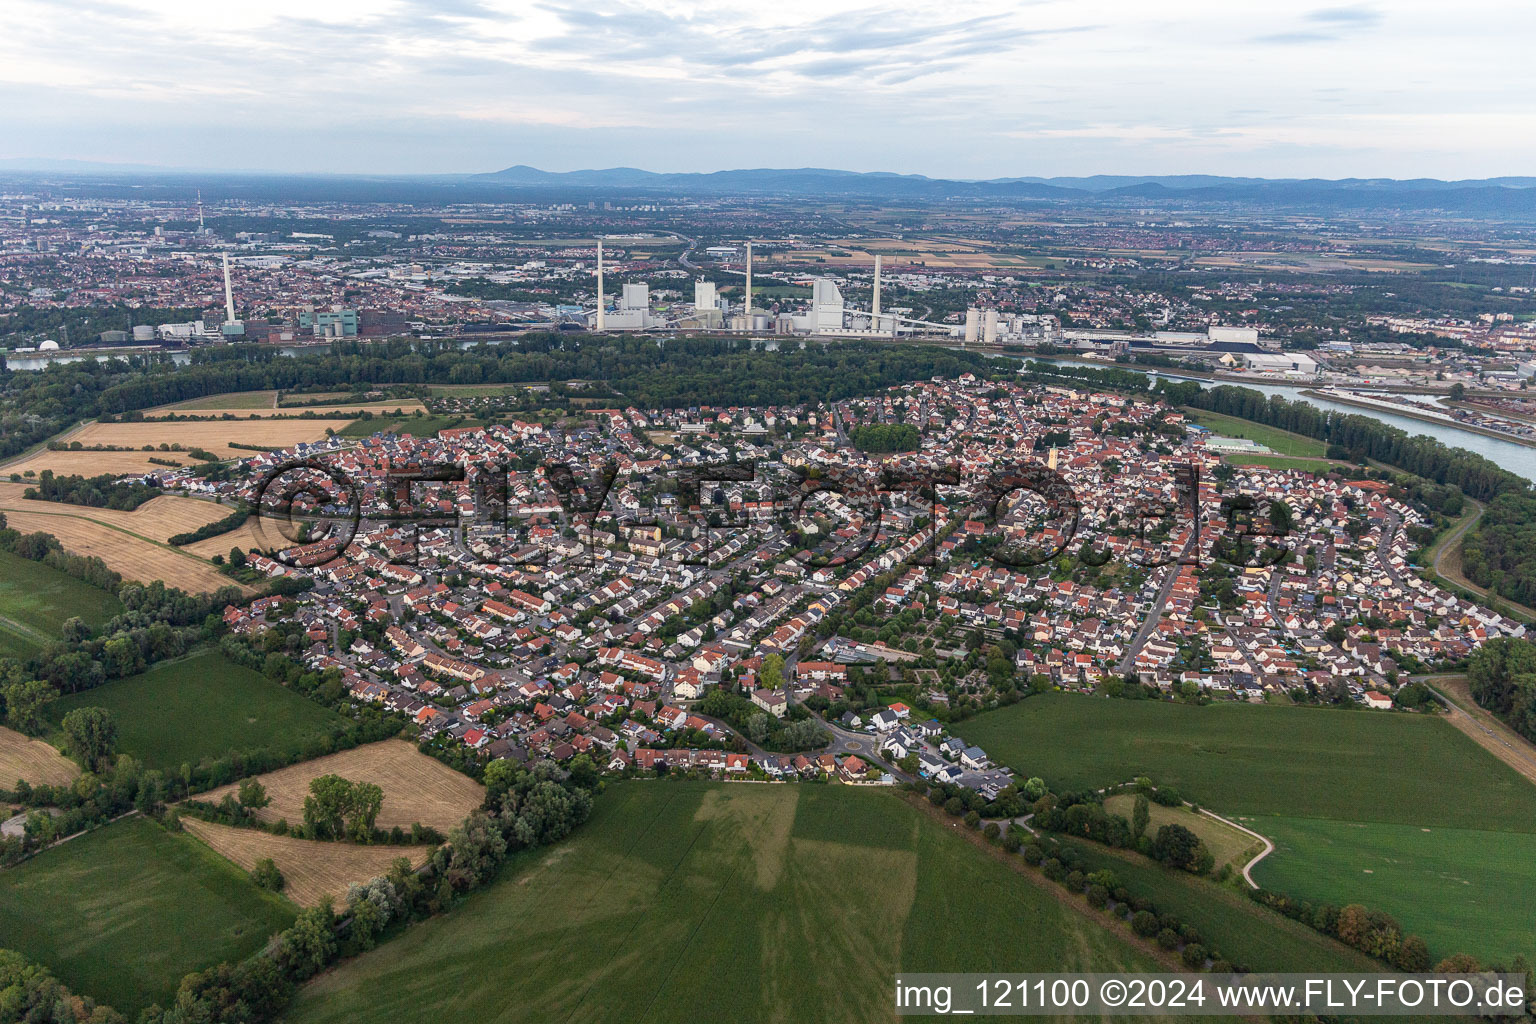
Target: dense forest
{"points": [[675, 373], [1501, 554]]}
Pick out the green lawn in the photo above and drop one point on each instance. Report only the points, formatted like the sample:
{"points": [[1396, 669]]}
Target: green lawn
{"points": [[1282, 442], [1244, 932], [201, 707], [1249, 759], [36, 599], [1445, 884], [121, 914], [709, 902]]}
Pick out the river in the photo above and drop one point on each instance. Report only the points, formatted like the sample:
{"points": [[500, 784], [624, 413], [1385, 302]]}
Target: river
{"points": [[1517, 458]]}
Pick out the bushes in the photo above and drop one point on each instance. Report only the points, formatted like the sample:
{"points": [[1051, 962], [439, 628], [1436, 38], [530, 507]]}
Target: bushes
{"points": [[1145, 924], [29, 992], [266, 875]]}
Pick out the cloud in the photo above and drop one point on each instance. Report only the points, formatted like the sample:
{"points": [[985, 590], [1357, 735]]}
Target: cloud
{"points": [[1345, 15], [1296, 38]]}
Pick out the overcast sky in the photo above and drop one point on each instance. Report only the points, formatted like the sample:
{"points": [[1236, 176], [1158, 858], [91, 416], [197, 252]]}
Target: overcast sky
{"points": [[1402, 88]]}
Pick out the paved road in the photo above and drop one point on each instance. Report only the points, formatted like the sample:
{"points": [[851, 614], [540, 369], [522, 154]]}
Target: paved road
{"points": [[1163, 594]]}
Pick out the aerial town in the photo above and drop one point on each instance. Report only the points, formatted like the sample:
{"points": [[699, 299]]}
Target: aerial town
{"points": [[633, 630]]}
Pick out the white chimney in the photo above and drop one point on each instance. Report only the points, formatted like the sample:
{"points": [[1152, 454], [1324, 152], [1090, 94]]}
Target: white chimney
{"points": [[229, 295]]}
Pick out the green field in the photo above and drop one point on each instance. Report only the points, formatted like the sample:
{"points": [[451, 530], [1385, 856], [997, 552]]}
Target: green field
{"points": [[416, 426], [36, 599], [1445, 884], [709, 902], [233, 400], [1283, 462], [1244, 932], [203, 706], [1447, 830], [121, 914], [1282, 442], [1257, 759]]}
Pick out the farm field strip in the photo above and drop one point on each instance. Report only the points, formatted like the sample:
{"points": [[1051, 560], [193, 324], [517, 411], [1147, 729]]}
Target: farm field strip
{"points": [[136, 557], [417, 788], [1334, 786], [311, 870], [213, 436], [245, 415], [22, 757], [158, 519], [694, 902]]}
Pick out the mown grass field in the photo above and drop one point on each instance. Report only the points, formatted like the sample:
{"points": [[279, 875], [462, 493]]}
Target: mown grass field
{"points": [[203, 706], [1227, 844], [121, 914], [1255, 759], [35, 600], [1282, 442], [708, 902], [1445, 884], [1344, 791]]}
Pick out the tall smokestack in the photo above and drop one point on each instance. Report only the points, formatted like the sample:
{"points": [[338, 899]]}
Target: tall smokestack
{"points": [[747, 308], [600, 302], [874, 322], [229, 295]]}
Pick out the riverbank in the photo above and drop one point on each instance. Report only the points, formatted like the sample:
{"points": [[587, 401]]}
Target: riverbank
{"points": [[1407, 411]]}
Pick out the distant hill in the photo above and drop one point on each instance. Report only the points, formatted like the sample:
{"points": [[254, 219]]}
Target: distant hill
{"points": [[1510, 198], [1506, 196]]}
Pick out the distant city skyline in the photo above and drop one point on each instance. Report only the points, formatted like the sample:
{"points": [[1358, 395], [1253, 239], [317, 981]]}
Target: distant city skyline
{"points": [[1400, 89]]}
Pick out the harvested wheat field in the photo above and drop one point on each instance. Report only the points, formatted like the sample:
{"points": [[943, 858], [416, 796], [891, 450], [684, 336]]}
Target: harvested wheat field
{"points": [[247, 536], [135, 558], [416, 787], [32, 760], [158, 518], [311, 870], [212, 436]]}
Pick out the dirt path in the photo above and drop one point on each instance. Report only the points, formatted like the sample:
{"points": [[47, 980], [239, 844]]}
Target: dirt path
{"points": [[1480, 724], [1447, 564]]}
